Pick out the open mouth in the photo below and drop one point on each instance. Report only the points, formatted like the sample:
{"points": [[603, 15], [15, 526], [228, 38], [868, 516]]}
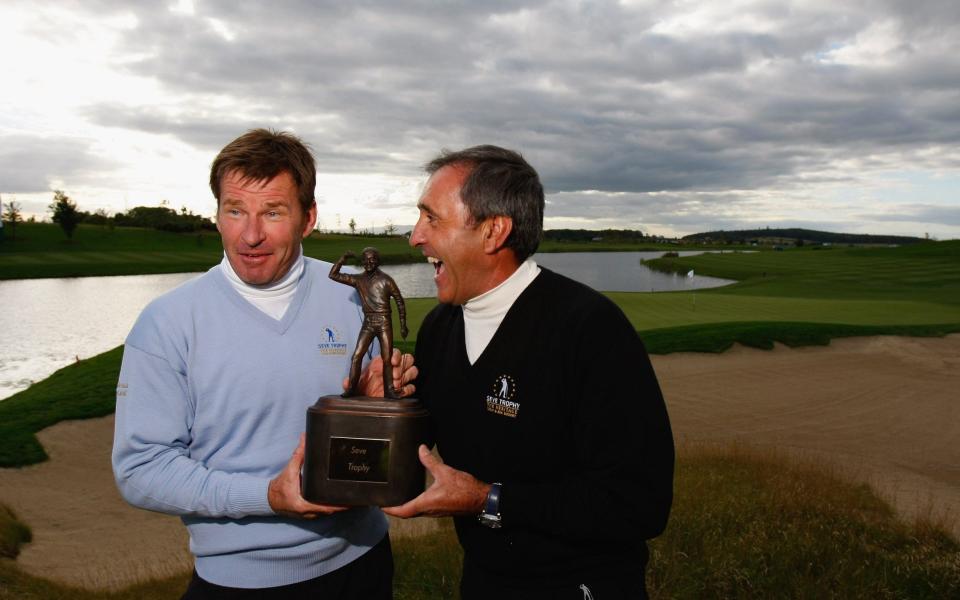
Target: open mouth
{"points": [[437, 265]]}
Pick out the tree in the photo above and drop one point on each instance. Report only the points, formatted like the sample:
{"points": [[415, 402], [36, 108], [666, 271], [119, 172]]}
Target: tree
{"points": [[389, 228], [11, 214], [353, 226], [65, 212]]}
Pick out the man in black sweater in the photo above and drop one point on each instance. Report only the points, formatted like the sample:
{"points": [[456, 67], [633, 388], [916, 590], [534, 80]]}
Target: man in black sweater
{"points": [[546, 410]]}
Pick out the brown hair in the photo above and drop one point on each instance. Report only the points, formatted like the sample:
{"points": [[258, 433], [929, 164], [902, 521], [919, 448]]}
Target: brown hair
{"points": [[261, 155]]}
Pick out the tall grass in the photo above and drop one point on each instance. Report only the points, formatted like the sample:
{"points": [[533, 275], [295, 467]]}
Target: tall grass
{"points": [[13, 533], [750, 523], [746, 523]]}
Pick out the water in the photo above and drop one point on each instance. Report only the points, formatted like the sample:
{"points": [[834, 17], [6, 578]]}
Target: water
{"points": [[47, 324], [606, 271]]}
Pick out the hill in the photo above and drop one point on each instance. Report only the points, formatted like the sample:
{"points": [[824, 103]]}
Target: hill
{"points": [[792, 235]]}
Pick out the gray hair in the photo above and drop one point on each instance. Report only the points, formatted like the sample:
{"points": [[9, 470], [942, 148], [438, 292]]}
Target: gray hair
{"points": [[500, 182]]}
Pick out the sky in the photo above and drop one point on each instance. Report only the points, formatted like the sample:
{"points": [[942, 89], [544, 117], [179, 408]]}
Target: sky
{"points": [[668, 117]]}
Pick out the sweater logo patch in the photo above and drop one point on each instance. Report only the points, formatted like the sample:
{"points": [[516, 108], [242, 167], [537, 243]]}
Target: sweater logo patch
{"points": [[501, 399], [332, 341]]}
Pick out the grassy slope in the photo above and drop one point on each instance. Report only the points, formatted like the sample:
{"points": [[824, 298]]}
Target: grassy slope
{"points": [[41, 250], [744, 524], [80, 391], [803, 294]]}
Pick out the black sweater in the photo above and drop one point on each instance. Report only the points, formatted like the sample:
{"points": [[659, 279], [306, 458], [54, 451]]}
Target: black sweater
{"points": [[564, 409]]}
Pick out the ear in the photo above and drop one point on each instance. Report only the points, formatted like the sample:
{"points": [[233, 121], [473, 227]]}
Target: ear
{"points": [[496, 230], [311, 220]]}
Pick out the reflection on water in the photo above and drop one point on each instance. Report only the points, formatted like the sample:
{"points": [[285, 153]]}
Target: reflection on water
{"points": [[47, 324]]}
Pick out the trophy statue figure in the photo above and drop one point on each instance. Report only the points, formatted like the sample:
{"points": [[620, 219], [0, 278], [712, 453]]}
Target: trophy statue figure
{"points": [[362, 451], [375, 289]]}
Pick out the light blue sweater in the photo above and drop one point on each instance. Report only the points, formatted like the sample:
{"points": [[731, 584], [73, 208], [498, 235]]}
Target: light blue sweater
{"points": [[211, 402]]}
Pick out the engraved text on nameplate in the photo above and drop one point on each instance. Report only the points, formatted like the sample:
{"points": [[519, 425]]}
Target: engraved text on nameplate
{"points": [[359, 459]]}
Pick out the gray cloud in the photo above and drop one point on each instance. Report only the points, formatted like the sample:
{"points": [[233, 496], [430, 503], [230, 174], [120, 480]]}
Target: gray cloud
{"points": [[599, 96], [30, 164], [920, 213]]}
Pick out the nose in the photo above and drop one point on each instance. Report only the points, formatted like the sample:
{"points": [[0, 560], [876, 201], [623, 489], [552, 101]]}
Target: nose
{"points": [[416, 236], [253, 232]]}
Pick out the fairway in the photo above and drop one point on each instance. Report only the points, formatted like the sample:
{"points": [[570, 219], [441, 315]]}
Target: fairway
{"points": [[656, 311]]}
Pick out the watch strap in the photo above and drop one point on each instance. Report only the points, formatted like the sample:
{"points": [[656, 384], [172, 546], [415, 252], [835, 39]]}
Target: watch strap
{"points": [[492, 507]]}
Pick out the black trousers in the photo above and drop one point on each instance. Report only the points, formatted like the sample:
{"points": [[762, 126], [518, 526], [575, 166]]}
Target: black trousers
{"points": [[477, 585], [368, 577]]}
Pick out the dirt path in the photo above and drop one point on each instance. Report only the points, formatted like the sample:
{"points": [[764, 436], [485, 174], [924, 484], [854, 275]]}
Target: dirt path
{"points": [[885, 408]]}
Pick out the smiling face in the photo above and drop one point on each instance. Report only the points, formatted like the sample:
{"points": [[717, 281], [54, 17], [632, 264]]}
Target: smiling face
{"points": [[261, 224], [447, 236]]}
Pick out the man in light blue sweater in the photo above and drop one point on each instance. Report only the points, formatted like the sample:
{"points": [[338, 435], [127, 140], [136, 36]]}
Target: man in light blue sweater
{"points": [[216, 379]]}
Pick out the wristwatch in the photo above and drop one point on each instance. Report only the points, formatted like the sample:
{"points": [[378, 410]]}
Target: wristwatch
{"points": [[490, 516]]}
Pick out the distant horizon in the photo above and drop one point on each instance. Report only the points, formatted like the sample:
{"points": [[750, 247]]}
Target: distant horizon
{"points": [[406, 229]]}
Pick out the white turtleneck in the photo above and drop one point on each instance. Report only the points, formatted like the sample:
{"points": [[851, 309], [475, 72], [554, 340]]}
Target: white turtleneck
{"points": [[272, 298], [482, 315]]}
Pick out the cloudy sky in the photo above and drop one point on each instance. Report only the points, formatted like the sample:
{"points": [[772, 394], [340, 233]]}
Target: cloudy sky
{"points": [[670, 117]]}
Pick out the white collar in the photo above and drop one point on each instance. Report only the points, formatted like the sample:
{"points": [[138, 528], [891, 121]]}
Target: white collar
{"points": [[286, 286], [483, 314]]}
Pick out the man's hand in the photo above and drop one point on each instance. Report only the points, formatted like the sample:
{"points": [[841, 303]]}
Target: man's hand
{"points": [[404, 332], [346, 255], [452, 493], [371, 378], [284, 491]]}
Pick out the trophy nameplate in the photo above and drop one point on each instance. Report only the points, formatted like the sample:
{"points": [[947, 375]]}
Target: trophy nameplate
{"points": [[363, 451]]}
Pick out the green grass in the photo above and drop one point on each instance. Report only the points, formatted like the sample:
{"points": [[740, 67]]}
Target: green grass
{"points": [[927, 272], [80, 391], [720, 337], [746, 523], [427, 566], [755, 524], [41, 250]]}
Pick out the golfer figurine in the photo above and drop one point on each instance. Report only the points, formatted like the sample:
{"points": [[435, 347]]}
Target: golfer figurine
{"points": [[375, 288]]}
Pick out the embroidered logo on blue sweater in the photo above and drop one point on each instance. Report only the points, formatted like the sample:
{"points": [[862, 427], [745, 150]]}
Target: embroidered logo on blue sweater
{"points": [[332, 341]]}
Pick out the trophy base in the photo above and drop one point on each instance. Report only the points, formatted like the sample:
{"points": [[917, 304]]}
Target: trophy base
{"points": [[362, 451]]}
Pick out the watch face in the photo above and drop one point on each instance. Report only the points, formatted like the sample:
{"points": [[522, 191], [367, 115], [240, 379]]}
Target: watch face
{"points": [[491, 521]]}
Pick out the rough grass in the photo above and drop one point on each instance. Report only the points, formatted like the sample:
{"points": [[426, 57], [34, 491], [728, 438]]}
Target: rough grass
{"points": [[751, 523], [746, 523], [720, 337], [13, 533]]}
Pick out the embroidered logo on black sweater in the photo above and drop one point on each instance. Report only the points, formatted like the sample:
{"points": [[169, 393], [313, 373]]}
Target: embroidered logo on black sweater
{"points": [[502, 399]]}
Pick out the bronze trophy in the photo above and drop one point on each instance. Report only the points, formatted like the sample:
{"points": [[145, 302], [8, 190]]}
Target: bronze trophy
{"points": [[362, 451]]}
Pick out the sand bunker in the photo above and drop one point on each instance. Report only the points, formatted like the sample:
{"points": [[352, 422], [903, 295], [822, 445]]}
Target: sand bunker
{"points": [[885, 409]]}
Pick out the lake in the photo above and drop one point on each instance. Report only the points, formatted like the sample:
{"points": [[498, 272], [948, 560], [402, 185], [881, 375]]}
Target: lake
{"points": [[50, 323]]}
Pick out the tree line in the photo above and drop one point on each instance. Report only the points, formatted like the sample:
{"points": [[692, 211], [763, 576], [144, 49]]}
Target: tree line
{"points": [[66, 214]]}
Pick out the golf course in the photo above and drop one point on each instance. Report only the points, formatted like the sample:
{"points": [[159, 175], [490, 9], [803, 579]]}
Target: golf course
{"points": [[812, 402]]}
